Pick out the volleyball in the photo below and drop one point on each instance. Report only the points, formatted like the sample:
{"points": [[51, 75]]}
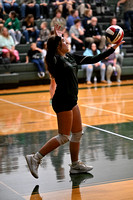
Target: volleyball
{"points": [[114, 34]]}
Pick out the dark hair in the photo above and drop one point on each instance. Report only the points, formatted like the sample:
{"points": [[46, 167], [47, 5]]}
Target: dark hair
{"points": [[72, 12], [14, 14], [28, 18], [112, 19], [58, 11], [76, 21], [90, 47]]}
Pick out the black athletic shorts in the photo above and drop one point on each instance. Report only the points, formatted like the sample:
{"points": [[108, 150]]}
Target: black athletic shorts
{"points": [[60, 105]]}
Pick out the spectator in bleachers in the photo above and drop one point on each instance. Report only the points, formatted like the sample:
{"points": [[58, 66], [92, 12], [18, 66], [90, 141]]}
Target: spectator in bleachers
{"points": [[77, 34], [7, 45], [112, 66], [35, 56], [87, 17], [94, 67], [63, 6], [119, 55], [67, 39], [30, 7], [43, 36], [44, 9], [1, 15], [100, 6], [13, 25], [10, 5], [93, 33], [30, 29], [128, 13], [74, 14], [58, 19], [82, 7]]}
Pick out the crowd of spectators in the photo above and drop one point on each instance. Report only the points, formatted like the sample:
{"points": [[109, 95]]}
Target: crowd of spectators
{"points": [[81, 29]]}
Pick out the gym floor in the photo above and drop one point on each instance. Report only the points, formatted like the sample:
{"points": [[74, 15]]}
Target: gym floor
{"points": [[27, 121]]}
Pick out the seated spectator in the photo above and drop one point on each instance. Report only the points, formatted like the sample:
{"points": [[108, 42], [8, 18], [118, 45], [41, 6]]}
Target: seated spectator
{"points": [[35, 56], [93, 67], [119, 55], [8, 46], [93, 33], [82, 7], [128, 13], [112, 66], [61, 5], [30, 29], [58, 19], [77, 34], [1, 16], [13, 25], [87, 17], [43, 36], [10, 5], [100, 6], [30, 7], [67, 39], [44, 9], [74, 14]]}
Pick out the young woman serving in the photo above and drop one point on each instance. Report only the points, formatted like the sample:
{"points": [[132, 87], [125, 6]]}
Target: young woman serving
{"points": [[63, 67]]}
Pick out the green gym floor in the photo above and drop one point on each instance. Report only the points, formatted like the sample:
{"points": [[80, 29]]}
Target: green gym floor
{"points": [[27, 121]]}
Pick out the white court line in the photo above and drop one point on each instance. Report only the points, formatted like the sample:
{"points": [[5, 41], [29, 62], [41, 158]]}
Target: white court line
{"points": [[117, 113], [16, 104], [111, 102], [11, 189], [106, 131], [110, 95]]}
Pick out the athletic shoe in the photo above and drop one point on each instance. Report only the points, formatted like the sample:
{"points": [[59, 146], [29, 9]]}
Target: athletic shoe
{"points": [[41, 74], [79, 168], [33, 164], [118, 80]]}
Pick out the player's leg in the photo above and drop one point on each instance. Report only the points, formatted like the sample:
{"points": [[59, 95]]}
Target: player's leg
{"points": [[89, 71], [77, 166], [64, 127]]}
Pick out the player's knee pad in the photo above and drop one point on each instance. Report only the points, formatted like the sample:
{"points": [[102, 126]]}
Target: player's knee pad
{"points": [[75, 137], [62, 139]]}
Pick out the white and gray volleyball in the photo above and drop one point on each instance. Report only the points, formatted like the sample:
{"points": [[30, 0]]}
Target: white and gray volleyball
{"points": [[114, 34]]}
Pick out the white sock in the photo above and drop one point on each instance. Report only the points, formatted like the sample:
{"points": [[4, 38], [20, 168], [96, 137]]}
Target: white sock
{"points": [[38, 156], [75, 162]]}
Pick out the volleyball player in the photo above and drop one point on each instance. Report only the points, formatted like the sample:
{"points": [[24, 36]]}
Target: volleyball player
{"points": [[63, 67]]}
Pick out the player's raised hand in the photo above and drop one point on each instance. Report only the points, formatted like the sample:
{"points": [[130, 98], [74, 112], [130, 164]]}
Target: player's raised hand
{"points": [[115, 46], [57, 30]]}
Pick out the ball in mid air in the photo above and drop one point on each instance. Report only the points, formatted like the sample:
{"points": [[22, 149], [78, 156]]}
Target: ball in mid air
{"points": [[114, 34]]}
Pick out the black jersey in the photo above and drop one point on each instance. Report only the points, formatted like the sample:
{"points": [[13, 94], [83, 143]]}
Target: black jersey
{"points": [[64, 70]]}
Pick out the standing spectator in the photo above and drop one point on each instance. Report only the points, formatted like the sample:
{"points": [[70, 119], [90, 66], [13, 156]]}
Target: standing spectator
{"points": [[35, 56], [30, 7], [8, 46], [77, 35], [128, 13], [30, 29], [93, 67], [43, 36], [87, 17], [112, 66], [58, 19], [13, 25], [74, 14], [93, 33], [10, 5]]}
